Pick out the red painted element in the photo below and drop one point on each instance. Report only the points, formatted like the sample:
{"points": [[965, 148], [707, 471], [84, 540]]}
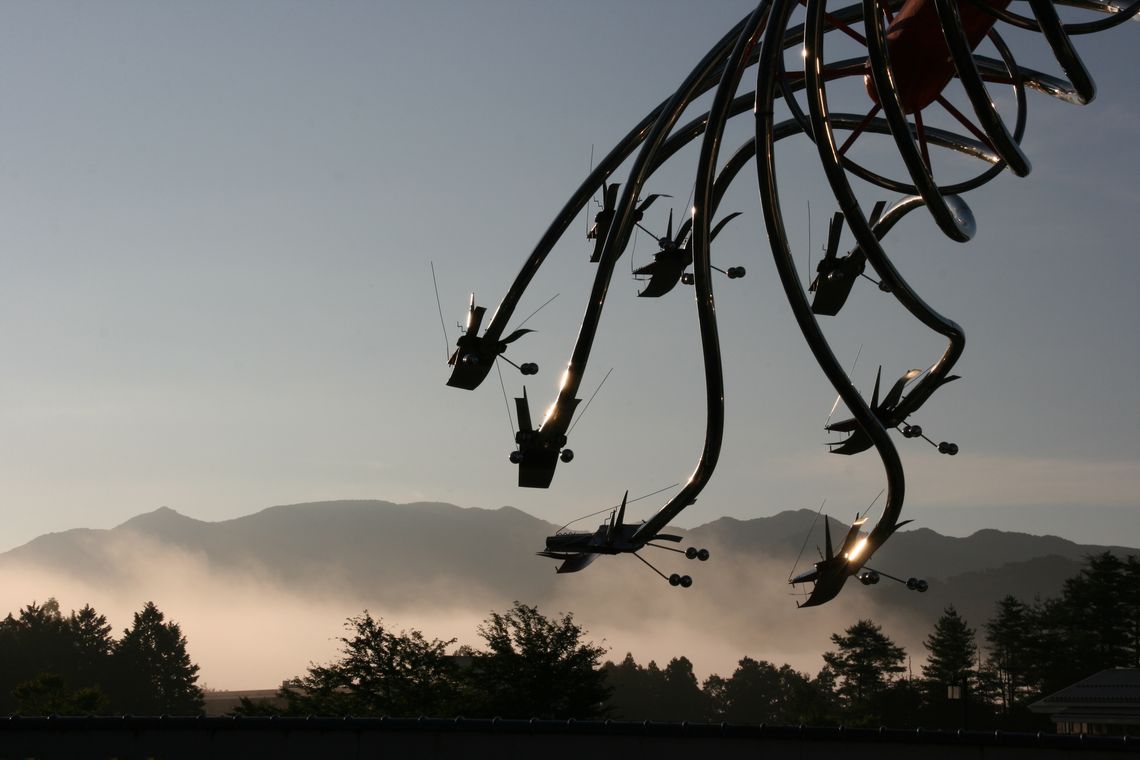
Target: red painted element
{"points": [[920, 58]]}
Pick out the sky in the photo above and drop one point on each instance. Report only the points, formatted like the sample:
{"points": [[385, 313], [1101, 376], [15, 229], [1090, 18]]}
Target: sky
{"points": [[216, 294]]}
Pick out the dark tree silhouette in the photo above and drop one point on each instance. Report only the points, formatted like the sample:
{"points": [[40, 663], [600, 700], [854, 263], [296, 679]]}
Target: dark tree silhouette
{"points": [[951, 665], [91, 632], [154, 672], [1131, 602], [42, 665], [759, 692], [680, 697], [1012, 635], [865, 664], [71, 665], [92, 644], [630, 690], [1098, 615], [535, 666], [953, 653], [47, 694], [652, 693], [40, 641], [379, 673]]}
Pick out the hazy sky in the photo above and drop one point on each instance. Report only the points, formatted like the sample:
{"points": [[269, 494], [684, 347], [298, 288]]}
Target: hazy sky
{"points": [[215, 290]]}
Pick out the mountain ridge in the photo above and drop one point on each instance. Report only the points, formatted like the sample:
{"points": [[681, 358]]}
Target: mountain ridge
{"points": [[251, 589], [355, 541], [729, 532]]}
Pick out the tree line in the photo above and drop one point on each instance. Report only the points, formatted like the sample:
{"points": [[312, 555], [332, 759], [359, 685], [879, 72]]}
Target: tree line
{"points": [[1031, 649], [531, 665], [72, 665]]}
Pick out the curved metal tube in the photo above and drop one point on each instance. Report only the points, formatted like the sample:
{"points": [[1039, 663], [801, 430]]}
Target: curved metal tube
{"points": [[900, 288], [1118, 14], [883, 77], [860, 227], [703, 209], [723, 67], [557, 419], [564, 219], [608, 165], [581, 197], [766, 84], [971, 78], [912, 302], [1058, 40], [685, 134], [624, 148]]}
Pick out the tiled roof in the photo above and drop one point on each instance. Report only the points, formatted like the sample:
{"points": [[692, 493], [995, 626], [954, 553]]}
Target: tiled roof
{"points": [[1116, 687]]}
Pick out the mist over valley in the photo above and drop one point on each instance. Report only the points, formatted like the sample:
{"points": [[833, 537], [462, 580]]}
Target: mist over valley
{"points": [[262, 596]]}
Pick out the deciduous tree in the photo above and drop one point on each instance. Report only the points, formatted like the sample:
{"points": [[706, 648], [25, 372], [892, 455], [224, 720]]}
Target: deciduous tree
{"points": [[759, 692], [379, 673], [47, 694], [536, 666]]}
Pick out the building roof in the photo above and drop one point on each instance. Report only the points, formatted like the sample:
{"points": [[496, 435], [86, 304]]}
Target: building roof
{"points": [[1112, 693]]}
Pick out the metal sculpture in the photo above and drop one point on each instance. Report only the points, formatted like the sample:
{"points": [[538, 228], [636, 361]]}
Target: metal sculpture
{"points": [[914, 49]]}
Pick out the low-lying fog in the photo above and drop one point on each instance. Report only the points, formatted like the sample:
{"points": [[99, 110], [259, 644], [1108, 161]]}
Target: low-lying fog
{"points": [[247, 631]]}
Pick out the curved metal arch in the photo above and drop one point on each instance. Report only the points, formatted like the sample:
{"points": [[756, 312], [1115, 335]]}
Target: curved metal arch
{"points": [[1058, 40], [704, 207], [557, 419], [723, 67], [610, 163], [857, 221], [1004, 143], [766, 85], [1118, 14], [581, 198], [883, 77]]}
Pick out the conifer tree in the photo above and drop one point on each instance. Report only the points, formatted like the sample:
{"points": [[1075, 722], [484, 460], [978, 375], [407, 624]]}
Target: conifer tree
{"points": [[154, 673], [1096, 614], [92, 644], [1011, 635], [682, 698], [865, 664], [953, 652], [1131, 604]]}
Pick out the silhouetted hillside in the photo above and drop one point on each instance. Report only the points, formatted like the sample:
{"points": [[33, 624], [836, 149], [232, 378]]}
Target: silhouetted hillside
{"points": [[918, 551], [427, 560], [372, 544], [389, 550]]}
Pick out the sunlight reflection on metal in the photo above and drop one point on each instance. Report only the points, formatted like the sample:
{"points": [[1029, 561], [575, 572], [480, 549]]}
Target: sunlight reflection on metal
{"points": [[857, 550]]}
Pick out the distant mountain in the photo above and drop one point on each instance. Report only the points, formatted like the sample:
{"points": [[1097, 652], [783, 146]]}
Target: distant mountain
{"points": [[432, 561], [922, 550], [370, 544], [971, 573], [386, 550]]}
